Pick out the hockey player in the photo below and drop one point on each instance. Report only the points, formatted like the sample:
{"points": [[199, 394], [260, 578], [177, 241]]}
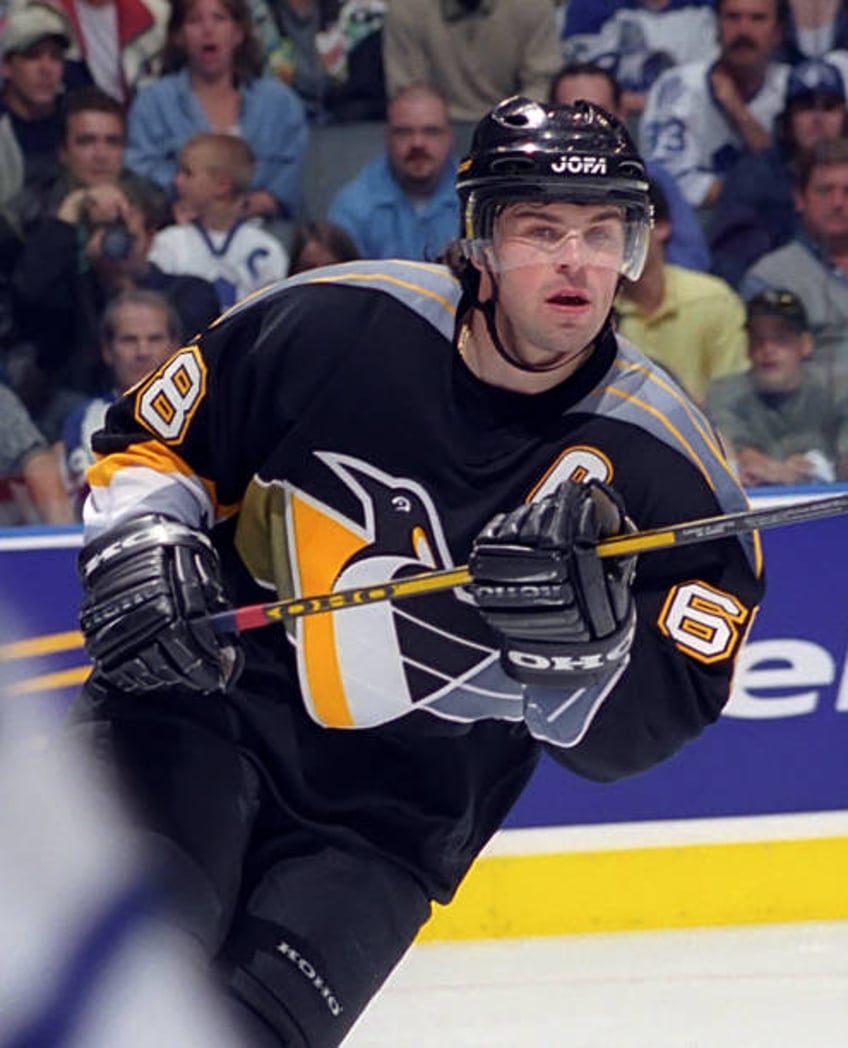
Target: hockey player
{"points": [[357, 424]]}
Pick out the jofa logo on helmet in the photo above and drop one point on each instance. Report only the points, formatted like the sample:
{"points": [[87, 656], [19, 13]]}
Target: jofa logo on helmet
{"points": [[580, 165]]}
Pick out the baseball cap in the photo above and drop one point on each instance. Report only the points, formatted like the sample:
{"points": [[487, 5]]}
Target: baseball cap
{"points": [[779, 302], [814, 77], [29, 25]]}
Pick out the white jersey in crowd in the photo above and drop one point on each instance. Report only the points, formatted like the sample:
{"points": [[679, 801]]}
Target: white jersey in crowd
{"points": [[237, 262], [685, 130], [638, 44]]}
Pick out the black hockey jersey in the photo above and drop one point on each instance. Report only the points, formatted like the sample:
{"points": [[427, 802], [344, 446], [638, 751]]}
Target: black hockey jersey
{"points": [[329, 433]]}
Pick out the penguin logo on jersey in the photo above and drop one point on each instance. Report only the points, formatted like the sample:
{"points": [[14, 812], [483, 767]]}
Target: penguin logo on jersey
{"points": [[366, 665]]}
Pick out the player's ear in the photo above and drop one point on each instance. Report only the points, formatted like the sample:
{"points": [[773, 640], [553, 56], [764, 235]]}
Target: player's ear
{"points": [[486, 285]]}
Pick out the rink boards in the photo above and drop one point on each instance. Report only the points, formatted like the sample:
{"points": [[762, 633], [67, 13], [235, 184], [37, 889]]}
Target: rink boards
{"points": [[747, 825]]}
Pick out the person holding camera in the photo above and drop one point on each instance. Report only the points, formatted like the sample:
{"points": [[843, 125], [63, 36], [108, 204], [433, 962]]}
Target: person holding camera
{"points": [[73, 264]]}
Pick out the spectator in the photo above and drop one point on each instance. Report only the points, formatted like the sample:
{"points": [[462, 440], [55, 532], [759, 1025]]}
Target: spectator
{"points": [[814, 264], [352, 49], [701, 117], [784, 426], [287, 31], [687, 245], [475, 52], [92, 138], [813, 28], [403, 204], [642, 38], [34, 41], [213, 82], [31, 488], [691, 323], [116, 44], [139, 330], [71, 265], [218, 243], [755, 211], [320, 243]]}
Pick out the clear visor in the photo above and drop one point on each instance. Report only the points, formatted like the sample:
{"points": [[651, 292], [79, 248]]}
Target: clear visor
{"points": [[569, 235]]}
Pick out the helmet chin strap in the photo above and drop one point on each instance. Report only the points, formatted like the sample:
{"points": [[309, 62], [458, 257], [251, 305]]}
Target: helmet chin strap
{"points": [[488, 309]]}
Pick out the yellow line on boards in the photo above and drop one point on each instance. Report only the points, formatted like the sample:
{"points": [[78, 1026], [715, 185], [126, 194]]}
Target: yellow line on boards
{"points": [[638, 889], [49, 681], [46, 645]]}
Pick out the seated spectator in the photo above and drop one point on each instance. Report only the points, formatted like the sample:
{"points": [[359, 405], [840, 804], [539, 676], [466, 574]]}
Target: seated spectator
{"points": [[474, 52], [320, 243], [116, 44], [92, 140], [351, 47], [783, 425], [71, 265], [287, 32], [31, 488], [139, 330], [701, 117], [814, 264], [813, 28], [403, 204], [643, 38], [213, 82], [217, 242], [687, 245], [755, 211], [691, 323], [33, 42]]}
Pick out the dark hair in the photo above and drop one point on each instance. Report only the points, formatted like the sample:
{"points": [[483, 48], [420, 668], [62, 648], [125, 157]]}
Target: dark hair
{"points": [[781, 9], [823, 154], [89, 99], [585, 69], [329, 235], [248, 60]]}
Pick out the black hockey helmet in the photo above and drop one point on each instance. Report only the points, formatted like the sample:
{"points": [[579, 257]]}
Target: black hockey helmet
{"points": [[526, 150]]}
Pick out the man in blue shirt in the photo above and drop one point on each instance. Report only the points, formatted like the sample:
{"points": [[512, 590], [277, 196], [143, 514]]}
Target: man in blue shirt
{"points": [[402, 204]]}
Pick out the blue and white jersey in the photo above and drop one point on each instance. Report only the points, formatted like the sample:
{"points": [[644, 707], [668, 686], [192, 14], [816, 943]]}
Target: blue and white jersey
{"points": [[638, 44], [688, 132], [236, 262]]}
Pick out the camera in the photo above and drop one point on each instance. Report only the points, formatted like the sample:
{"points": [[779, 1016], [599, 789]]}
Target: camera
{"points": [[117, 240]]}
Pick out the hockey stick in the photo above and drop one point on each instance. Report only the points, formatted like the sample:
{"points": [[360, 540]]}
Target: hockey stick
{"points": [[709, 528]]}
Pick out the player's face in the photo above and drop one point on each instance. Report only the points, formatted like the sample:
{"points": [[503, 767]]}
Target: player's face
{"points": [[142, 342], [748, 32], [93, 150], [777, 354], [419, 139], [557, 269], [32, 79], [823, 205], [210, 37]]}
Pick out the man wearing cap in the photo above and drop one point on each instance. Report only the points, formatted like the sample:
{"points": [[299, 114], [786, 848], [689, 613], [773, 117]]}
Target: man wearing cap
{"points": [[814, 264], [34, 43], [784, 426], [755, 212]]}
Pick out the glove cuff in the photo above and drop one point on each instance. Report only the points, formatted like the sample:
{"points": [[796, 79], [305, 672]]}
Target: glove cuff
{"points": [[137, 534], [549, 664]]}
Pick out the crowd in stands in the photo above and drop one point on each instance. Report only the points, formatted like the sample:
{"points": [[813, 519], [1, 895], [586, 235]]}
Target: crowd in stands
{"points": [[162, 159]]}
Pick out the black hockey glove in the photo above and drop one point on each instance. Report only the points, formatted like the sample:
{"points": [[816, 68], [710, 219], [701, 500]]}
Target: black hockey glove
{"points": [[150, 583], [565, 616]]}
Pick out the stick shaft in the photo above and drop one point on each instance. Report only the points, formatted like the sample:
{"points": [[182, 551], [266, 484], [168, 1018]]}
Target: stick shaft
{"points": [[705, 530]]}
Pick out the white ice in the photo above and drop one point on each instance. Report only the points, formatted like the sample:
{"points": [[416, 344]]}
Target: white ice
{"points": [[775, 986]]}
